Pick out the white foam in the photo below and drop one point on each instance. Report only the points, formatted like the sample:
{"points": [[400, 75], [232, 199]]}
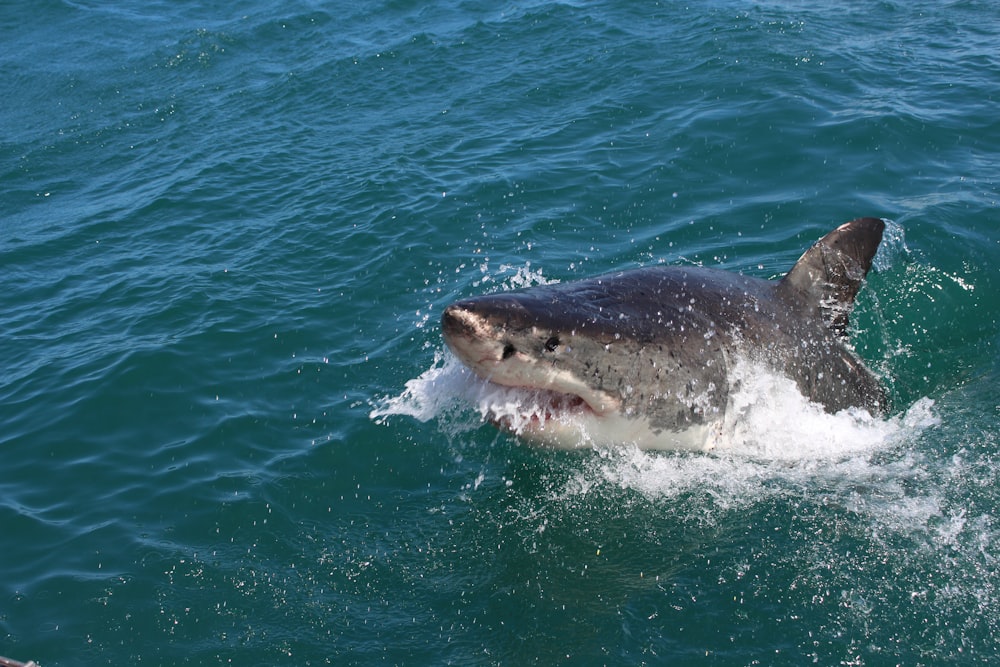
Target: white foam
{"points": [[860, 462], [448, 390], [770, 438], [441, 390], [767, 418]]}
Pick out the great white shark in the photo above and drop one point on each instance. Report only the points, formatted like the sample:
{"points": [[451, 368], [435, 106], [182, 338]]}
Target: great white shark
{"points": [[645, 357]]}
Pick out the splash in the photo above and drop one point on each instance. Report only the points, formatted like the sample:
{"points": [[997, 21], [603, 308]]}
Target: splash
{"points": [[765, 451], [440, 391], [767, 419], [771, 439], [448, 391]]}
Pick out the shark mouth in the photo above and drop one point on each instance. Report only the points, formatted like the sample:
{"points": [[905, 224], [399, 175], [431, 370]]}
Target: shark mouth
{"points": [[522, 410]]}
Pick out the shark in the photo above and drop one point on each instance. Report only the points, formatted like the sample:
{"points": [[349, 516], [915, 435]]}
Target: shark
{"points": [[646, 357]]}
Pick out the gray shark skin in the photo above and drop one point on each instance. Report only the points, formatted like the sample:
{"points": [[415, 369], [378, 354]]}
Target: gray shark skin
{"points": [[644, 357]]}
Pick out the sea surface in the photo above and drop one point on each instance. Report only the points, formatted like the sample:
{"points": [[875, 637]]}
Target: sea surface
{"points": [[230, 433]]}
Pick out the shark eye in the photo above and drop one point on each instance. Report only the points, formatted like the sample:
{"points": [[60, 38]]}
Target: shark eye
{"points": [[508, 351], [552, 343]]}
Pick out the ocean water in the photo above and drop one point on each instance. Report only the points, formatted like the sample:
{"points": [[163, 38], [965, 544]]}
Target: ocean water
{"points": [[230, 432]]}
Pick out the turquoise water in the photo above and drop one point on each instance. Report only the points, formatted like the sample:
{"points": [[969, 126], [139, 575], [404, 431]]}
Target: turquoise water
{"points": [[227, 234]]}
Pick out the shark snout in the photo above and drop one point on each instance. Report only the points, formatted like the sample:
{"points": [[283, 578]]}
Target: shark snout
{"points": [[469, 334], [461, 320], [486, 318], [455, 321], [479, 332]]}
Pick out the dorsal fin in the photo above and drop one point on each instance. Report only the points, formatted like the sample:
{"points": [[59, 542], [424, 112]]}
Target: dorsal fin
{"points": [[829, 274]]}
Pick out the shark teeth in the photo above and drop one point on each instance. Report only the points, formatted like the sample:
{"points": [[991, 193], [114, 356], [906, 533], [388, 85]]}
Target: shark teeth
{"points": [[520, 409]]}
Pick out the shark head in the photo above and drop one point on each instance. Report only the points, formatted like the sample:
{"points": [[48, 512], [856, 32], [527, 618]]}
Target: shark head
{"points": [[507, 342], [594, 361]]}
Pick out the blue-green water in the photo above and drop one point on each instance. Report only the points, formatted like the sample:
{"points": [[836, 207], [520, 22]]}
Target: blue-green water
{"points": [[227, 233]]}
